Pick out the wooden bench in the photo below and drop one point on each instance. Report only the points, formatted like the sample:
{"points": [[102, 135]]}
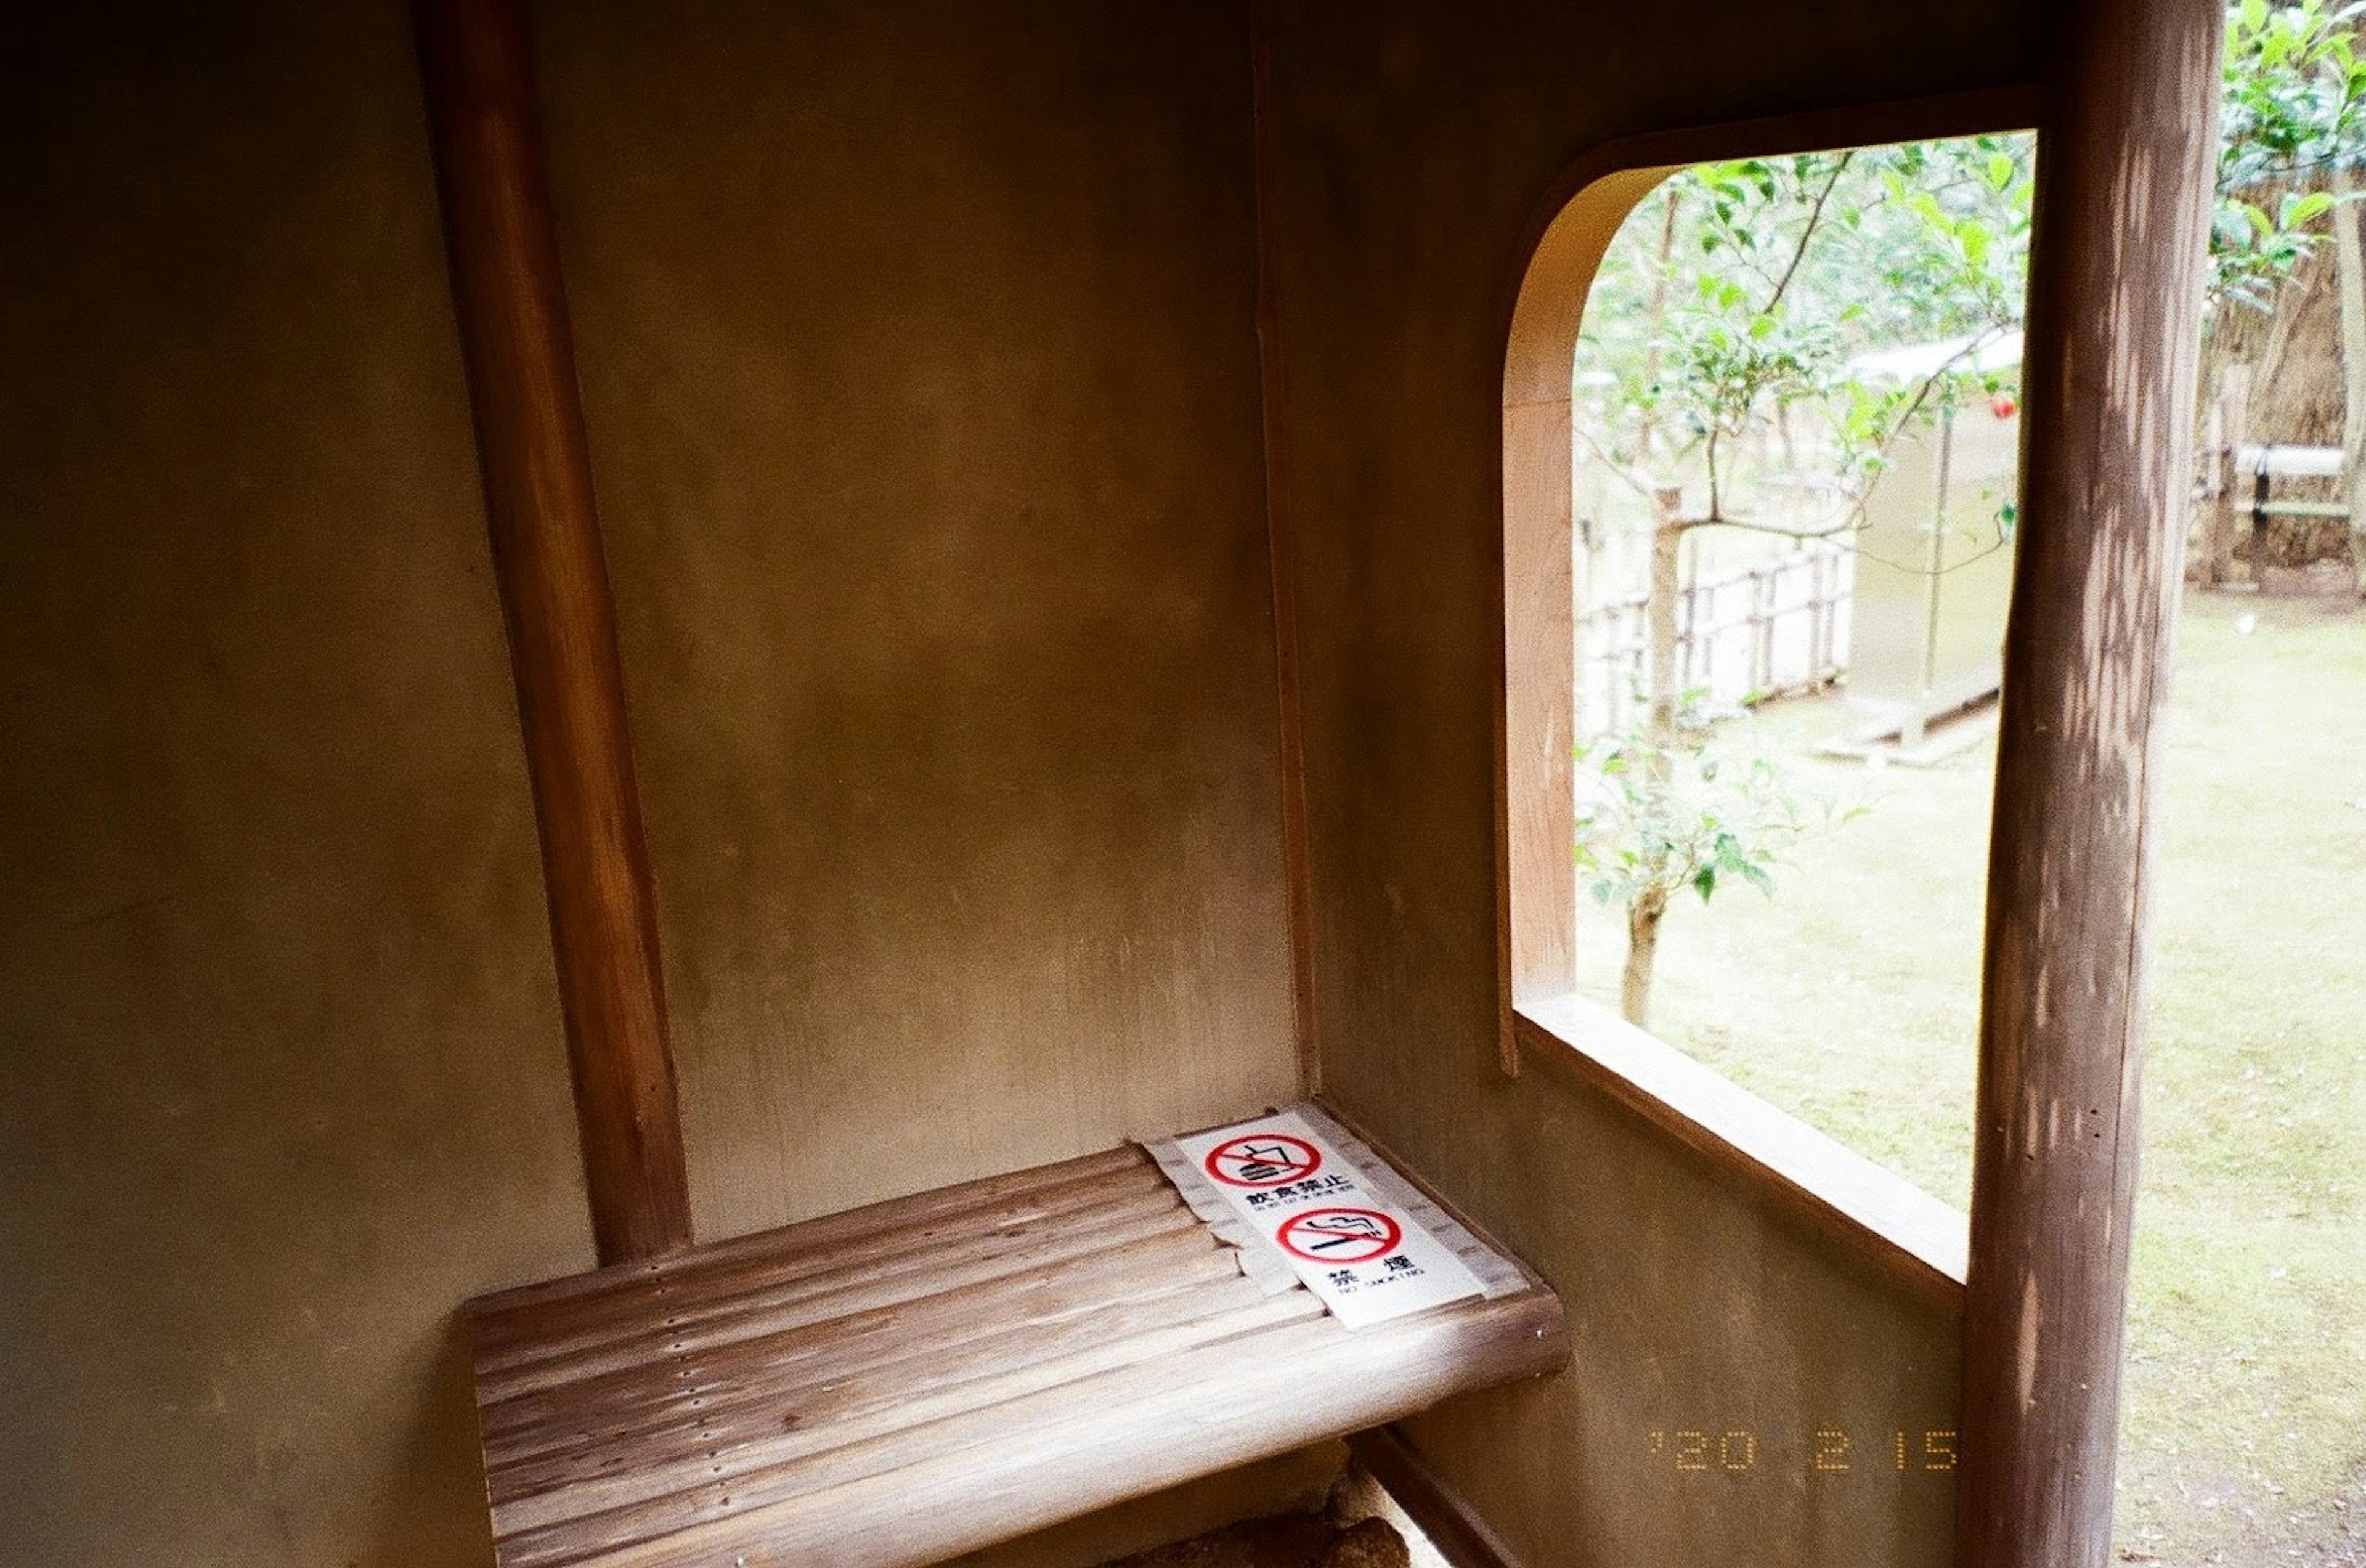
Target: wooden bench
{"points": [[900, 1383]]}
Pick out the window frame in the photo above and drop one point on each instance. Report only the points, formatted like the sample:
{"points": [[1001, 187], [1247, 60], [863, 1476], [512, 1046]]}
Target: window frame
{"points": [[1878, 1214]]}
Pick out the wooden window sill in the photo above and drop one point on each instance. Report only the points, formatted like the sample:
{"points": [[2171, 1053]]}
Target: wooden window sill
{"points": [[1874, 1212]]}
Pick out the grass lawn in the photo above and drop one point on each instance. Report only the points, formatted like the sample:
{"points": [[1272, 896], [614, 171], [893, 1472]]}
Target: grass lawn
{"points": [[1852, 1000]]}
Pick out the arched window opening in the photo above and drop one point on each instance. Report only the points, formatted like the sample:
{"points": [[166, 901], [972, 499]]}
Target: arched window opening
{"points": [[1839, 567], [1761, 439]]}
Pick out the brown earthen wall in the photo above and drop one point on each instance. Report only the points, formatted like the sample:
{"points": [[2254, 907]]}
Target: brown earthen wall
{"points": [[917, 345], [1417, 147]]}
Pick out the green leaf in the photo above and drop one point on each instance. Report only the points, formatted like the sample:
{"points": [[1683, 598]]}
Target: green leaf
{"points": [[2298, 212]]}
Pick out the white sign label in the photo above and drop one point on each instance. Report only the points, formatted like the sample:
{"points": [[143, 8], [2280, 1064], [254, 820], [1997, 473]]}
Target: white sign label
{"points": [[1364, 1258]]}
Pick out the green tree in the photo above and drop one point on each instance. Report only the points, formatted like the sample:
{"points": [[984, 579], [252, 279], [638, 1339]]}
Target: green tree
{"points": [[1728, 318], [2293, 128], [1730, 349], [1659, 818], [1771, 277]]}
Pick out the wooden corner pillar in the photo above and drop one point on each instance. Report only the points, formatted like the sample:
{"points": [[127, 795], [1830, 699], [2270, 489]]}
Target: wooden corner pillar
{"points": [[2123, 190], [477, 73]]}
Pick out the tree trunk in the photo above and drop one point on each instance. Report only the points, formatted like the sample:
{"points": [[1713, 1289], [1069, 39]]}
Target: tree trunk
{"points": [[2350, 272], [1660, 610], [1643, 917], [1644, 914], [1654, 319]]}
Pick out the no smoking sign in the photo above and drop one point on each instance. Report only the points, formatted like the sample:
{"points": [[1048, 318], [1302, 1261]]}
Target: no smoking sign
{"points": [[1340, 1236], [1263, 1159], [1304, 1192]]}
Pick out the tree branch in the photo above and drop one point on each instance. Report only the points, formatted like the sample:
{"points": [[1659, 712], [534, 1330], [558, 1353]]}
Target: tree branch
{"points": [[1808, 234], [1981, 340], [1751, 526], [1972, 560], [1632, 480], [1854, 524]]}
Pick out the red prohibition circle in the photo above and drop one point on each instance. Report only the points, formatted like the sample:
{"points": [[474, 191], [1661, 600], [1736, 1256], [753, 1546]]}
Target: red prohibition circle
{"points": [[1358, 1236], [1262, 1160]]}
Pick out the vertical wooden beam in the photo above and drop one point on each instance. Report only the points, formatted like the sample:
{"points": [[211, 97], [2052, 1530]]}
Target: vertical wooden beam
{"points": [[1297, 848], [2230, 427], [2115, 289], [478, 71]]}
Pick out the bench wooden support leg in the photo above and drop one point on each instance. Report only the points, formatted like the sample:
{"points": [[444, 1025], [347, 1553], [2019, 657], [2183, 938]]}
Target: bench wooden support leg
{"points": [[2123, 197], [477, 73]]}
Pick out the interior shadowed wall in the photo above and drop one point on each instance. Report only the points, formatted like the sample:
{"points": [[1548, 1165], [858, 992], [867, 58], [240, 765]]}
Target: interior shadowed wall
{"points": [[918, 355], [280, 1073], [1413, 150], [917, 349]]}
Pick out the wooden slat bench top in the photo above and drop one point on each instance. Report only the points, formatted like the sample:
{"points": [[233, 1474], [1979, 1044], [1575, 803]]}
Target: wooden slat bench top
{"points": [[897, 1384]]}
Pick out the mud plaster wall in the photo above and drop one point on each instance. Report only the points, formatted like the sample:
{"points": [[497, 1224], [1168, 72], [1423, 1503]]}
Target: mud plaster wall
{"points": [[920, 368], [1413, 148], [918, 347], [283, 1073]]}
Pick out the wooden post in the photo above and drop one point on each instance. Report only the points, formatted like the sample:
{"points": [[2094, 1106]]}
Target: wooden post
{"points": [[1273, 390], [2262, 483], [477, 73], [2115, 290], [2230, 423]]}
